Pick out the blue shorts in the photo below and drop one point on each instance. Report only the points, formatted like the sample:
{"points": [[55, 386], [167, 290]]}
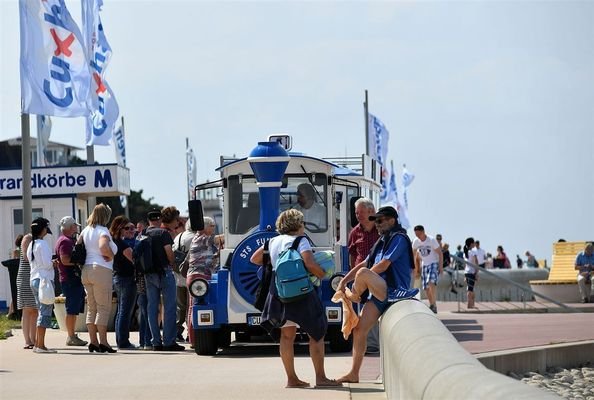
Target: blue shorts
{"points": [[382, 306], [75, 297], [429, 274]]}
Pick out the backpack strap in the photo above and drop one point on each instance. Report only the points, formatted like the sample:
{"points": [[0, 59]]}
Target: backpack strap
{"points": [[266, 254], [296, 242]]}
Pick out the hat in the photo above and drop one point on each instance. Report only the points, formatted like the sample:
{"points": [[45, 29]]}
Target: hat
{"points": [[41, 223], [154, 214], [68, 221], [388, 211]]}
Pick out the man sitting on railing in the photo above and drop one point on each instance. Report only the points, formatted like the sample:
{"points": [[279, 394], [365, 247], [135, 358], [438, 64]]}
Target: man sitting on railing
{"points": [[584, 263], [387, 277]]}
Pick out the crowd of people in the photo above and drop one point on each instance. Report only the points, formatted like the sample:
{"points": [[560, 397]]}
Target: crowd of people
{"points": [[109, 270]]}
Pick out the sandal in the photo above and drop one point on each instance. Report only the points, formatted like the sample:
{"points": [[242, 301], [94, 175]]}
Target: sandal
{"points": [[29, 346]]}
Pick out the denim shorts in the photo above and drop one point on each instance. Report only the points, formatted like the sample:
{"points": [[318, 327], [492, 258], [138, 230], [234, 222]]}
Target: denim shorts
{"points": [[44, 318], [75, 297]]}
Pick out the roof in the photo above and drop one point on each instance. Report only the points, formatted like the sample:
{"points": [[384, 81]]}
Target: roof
{"points": [[17, 142]]}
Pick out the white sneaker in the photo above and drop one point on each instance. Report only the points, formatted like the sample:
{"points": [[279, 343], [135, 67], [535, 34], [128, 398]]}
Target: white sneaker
{"points": [[41, 350]]}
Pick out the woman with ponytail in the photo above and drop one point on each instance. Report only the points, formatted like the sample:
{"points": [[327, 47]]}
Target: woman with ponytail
{"points": [[470, 273], [40, 258]]}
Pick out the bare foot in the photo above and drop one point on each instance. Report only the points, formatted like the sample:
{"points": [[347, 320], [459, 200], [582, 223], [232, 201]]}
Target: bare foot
{"points": [[352, 296], [348, 378], [328, 383], [297, 384]]}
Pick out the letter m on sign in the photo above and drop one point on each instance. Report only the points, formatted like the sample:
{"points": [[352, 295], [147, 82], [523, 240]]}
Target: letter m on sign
{"points": [[103, 180]]}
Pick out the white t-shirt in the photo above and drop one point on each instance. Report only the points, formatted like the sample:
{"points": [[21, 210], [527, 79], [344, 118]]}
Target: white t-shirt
{"points": [[91, 237], [471, 254], [316, 214], [481, 256], [41, 265], [427, 249], [282, 242]]}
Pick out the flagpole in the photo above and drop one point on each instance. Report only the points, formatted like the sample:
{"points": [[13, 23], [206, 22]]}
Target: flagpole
{"points": [[40, 153], [127, 208], [187, 170], [26, 165], [366, 108]]}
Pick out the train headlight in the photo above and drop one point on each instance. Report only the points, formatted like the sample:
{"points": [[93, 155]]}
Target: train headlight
{"points": [[335, 280], [198, 288]]}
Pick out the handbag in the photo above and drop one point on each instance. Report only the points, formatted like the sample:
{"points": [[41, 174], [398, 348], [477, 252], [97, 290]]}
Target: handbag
{"points": [[181, 260], [46, 292], [79, 253]]}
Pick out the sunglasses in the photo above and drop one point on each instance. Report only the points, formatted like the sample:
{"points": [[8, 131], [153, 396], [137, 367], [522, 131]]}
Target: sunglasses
{"points": [[128, 228], [379, 220]]}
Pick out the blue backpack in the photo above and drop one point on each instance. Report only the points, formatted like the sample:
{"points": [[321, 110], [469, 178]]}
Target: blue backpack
{"points": [[291, 278]]}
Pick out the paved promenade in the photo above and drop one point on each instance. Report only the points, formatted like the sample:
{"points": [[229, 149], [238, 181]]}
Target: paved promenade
{"points": [[246, 372]]}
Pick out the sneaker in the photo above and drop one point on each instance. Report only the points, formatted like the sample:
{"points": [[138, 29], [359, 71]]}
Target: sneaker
{"points": [[180, 338], [372, 350], [158, 347], [402, 294], [42, 350], [75, 341], [129, 346], [433, 308], [148, 348], [174, 347]]}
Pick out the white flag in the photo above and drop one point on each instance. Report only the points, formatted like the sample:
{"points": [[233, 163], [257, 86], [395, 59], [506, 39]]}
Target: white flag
{"points": [[378, 140], [44, 130], [105, 110], [191, 170], [55, 76]]}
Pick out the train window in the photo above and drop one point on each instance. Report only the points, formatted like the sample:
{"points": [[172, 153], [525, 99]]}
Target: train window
{"points": [[310, 197], [244, 204]]}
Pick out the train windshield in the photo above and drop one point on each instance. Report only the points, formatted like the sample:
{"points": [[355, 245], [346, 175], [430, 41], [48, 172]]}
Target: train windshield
{"points": [[306, 193]]}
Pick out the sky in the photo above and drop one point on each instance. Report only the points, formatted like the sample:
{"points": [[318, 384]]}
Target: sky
{"points": [[489, 104]]}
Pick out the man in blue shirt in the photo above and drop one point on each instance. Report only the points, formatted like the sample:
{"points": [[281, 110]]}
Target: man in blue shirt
{"points": [[584, 263], [387, 277]]}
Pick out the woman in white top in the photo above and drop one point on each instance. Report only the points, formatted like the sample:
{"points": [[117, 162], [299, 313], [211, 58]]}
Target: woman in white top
{"points": [[40, 258], [470, 273], [97, 276], [307, 313]]}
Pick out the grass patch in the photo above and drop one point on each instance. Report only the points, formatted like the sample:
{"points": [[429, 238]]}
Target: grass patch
{"points": [[6, 325]]}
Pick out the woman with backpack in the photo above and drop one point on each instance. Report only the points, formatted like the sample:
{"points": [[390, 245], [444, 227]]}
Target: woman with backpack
{"points": [[306, 313]]}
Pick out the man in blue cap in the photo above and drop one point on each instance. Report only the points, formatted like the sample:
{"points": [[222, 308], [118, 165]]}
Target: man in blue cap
{"points": [[387, 277]]}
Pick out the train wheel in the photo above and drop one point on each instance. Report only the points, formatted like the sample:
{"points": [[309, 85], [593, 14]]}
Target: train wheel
{"points": [[205, 342]]}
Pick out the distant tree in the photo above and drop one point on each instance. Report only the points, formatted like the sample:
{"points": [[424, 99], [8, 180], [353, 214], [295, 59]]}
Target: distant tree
{"points": [[137, 206]]}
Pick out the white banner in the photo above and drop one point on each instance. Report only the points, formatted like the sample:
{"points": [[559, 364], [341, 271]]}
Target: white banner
{"points": [[378, 140], [55, 76], [105, 110], [120, 145]]}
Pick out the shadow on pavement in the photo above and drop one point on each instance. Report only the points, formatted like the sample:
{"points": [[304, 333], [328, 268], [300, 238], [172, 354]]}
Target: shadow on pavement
{"points": [[460, 327]]}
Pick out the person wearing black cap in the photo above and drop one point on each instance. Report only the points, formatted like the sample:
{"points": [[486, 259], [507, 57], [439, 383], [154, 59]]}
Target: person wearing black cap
{"points": [[42, 267], [161, 284], [387, 277]]}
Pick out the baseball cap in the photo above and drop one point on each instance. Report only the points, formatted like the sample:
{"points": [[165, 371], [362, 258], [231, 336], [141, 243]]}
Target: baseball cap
{"points": [[387, 211], [154, 214], [68, 221], [41, 223]]}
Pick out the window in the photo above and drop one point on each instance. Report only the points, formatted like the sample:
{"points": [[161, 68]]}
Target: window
{"points": [[17, 219]]}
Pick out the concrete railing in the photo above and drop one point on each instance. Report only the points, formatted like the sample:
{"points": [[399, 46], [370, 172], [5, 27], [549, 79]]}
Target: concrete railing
{"points": [[422, 360]]}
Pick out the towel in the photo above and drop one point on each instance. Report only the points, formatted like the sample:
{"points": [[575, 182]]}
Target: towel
{"points": [[349, 316]]}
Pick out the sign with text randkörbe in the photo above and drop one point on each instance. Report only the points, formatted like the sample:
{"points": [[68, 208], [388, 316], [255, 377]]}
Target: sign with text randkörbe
{"points": [[108, 180]]}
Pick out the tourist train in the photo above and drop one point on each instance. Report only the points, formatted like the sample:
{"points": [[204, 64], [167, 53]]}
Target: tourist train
{"points": [[253, 191]]}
